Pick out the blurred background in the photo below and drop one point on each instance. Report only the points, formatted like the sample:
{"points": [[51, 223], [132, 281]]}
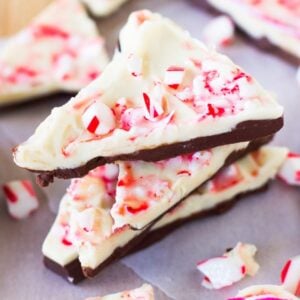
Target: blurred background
{"points": [[14, 14]]}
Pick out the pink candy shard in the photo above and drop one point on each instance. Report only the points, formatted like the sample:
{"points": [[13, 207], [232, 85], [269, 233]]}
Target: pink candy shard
{"points": [[98, 119], [219, 32], [233, 266], [290, 276], [20, 198], [290, 171]]}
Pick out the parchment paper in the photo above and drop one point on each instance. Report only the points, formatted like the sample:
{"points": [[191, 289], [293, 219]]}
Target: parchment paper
{"points": [[270, 220]]}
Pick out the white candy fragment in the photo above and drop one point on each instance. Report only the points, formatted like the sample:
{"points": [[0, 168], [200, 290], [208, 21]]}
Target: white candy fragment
{"points": [[145, 292], [219, 32], [99, 119], [264, 292], [20, 198], [233, 266], [174, 76], [290, 171], [290, 276]]}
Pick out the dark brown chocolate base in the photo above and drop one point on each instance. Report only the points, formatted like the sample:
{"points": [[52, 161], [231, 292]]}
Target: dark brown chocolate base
{"points": [[263, 43], [72, 271], [245, 131], [75, 274]]}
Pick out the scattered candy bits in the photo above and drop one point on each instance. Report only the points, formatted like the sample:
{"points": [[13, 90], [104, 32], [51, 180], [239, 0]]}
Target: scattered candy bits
{"points": [[98, 119], [145, 292], [219, 32], [290, 171], [233, 266], [290, 276], [20, 198], [264, 292]]}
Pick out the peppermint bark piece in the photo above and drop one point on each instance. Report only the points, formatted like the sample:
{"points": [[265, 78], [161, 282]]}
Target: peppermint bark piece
{"points": [[101, 8], [272, 22], [264, 292], [145, 292], [244, 176], [61, 50], [151, 103]]}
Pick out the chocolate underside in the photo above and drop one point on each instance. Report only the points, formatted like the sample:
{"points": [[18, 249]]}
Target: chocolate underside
{"points": [[160, 233], [73, 270], [245, 131], [262, 43]]}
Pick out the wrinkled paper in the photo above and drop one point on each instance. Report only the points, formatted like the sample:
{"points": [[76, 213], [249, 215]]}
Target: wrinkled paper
{"points": [[270, 220]]}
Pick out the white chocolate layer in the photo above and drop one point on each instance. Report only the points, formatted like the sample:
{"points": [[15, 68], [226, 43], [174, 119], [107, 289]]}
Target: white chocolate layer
{"points": [[61, 50], [101, 8], [251, 173], [145, 292], [213, 98], [278, 21]]}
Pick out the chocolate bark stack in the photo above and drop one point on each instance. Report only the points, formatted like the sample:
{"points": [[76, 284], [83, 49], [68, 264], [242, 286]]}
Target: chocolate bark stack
{"points": [[166, 134]]}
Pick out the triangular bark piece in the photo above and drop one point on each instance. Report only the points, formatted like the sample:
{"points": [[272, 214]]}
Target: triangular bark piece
{"points": [[60, 50], [165, 94]]}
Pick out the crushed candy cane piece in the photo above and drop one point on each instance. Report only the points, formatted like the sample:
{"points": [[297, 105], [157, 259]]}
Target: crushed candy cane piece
{"points": [[135, 65], [290, 276], [226, 178], [219, 32], [290, 171], [264, 292], [91, 225], [99, 119], [233, 266], [174, 76], [155, 105], [21, 198], [145, 292]]}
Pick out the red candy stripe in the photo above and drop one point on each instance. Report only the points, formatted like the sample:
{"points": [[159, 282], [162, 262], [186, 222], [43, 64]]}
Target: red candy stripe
{"points": [[28, 187], [43, 31], [11, 196], [93, 125], [285, 271]]}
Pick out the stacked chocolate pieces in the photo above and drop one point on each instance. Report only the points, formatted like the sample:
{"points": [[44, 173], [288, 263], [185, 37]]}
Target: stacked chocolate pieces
{"points": [[164, 135]]}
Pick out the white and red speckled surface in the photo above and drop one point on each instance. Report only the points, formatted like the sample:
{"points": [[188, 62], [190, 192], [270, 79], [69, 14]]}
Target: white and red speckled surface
{"points": [[268, 220]]}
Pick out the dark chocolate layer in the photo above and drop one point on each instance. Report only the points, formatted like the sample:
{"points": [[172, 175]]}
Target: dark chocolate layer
{"points": [[262, 43], [245, 131], [160, 233], [75, 274], [72, 271]]}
